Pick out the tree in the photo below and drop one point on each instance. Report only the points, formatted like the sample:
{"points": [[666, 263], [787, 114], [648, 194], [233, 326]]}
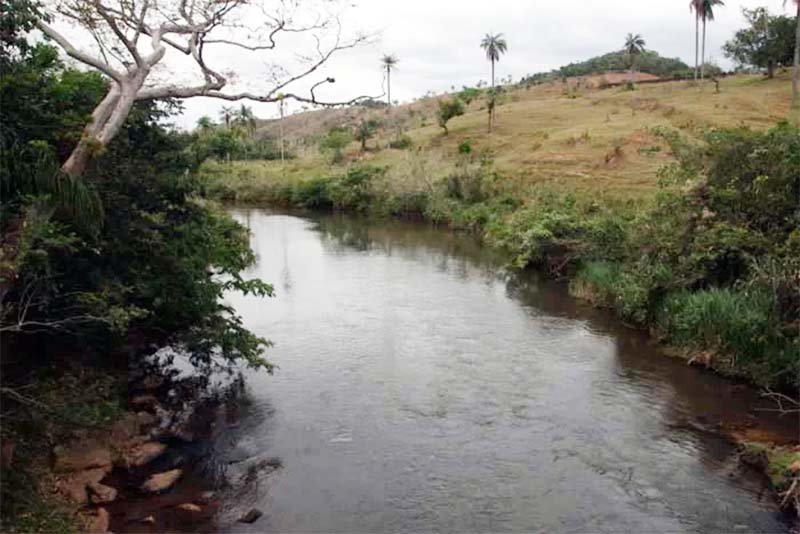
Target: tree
{"points": [[796, 71], [205, 123], [244, 117], [365, 131], [767, 41], [389, 63], [704, 10], [133, 38], [494, 45], [696, 6], [334, 141], [634, 45], [447, 110], [226, 114]]}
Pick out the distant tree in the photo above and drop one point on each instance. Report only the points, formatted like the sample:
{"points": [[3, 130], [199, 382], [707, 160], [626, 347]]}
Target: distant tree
{"points": [[447, 110], [226, 114], [365, 131], [205, 123], [634, 45], [648, 61], [334, 141], [223, 142], [696, 7], [796, 73], [494, 46], [768, 41], [704, 11], [244, 117], [389, 63], [468, 94]]}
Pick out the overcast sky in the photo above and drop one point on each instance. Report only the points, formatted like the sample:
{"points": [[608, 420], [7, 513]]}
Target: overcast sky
{"points": [[437, 42]]}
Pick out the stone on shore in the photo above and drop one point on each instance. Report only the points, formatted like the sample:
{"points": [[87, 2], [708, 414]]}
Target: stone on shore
{"points": [[81, 455], [98, 523], [161, 482], [101, 494], [74, 486], [144, 454]]}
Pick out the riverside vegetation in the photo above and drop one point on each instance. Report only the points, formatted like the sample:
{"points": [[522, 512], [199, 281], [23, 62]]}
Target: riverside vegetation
{"points": [[95, 269]]}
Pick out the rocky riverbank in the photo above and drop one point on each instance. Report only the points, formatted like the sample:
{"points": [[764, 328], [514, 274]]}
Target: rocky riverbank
{"points": [[153, 470]]}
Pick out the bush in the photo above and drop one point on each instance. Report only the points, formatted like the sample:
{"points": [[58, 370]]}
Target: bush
{"points": [[313, 193], [403, 142], [354, 191], [738, 326], [464, 147], [467, 185], [447, 110]]}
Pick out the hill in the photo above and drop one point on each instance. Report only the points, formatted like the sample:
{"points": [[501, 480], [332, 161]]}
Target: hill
{"points": [[649, 62], [554, 133]]}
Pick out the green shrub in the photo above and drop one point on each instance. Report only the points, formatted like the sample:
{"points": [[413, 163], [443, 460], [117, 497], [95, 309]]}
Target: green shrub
{"points": [[403, 142], [596, 282], [739, 325], [448, 109], [313, 193], [464, 147], [407, 204], [467, 185], [354, 191]]}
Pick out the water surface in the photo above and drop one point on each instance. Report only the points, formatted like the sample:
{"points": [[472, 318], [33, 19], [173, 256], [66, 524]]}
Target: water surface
{"points": [[422, 387]]}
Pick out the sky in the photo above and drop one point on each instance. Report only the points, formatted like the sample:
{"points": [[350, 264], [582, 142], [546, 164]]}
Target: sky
{"points": [[437, 43]]}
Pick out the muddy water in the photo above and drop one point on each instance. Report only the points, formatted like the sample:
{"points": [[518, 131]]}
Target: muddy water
{"points": [[422, 387]]}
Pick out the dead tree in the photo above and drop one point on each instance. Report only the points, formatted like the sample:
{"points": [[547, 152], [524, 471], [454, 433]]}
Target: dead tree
{"points": [[131, 38]]}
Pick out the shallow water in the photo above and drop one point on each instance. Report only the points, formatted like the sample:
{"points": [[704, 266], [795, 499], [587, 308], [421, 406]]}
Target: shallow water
{"points": [[422, 387]]}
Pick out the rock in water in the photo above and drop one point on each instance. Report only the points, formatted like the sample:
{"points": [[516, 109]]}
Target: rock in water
{"points": [[192, 513], [161, 481], [144, 454], [74, 485], [251, 516], [189, 507], [101, 494]]}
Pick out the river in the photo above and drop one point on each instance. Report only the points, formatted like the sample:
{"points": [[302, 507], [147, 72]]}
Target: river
{"points": [[423, 387]]}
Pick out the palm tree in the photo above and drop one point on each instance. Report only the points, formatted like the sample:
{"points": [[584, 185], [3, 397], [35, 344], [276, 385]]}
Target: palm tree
{"points": [[389, 62], [697, 7], [796, 73], [226, 113], [706, 13], [244, 116], [494, 46], [634, 45]]}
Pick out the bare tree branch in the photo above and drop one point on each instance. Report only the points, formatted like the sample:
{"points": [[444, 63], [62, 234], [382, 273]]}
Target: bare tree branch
{"points": [[74, 53], [187, 26]]}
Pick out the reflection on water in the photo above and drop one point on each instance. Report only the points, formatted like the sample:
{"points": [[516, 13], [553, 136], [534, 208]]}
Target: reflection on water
{"points": [[423, 387]]}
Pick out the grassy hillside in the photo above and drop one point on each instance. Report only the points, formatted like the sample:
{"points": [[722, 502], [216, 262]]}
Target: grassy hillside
{"points": [[572, 139]]}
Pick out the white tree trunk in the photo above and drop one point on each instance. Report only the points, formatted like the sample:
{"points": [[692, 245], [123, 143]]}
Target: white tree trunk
{"points": [[389, 86], [703, 56], [796, 73], [107, 119], [696, 44]]}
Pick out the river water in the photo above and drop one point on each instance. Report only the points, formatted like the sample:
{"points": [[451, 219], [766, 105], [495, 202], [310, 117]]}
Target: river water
{"points": [[422, 387]]}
